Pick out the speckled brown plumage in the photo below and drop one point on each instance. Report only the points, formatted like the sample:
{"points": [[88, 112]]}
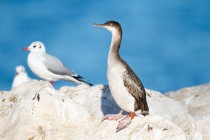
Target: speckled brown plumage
{"points": [[136, 89]]}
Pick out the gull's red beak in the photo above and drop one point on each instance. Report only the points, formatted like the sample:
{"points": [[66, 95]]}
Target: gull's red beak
{"points": [[25, 49]]}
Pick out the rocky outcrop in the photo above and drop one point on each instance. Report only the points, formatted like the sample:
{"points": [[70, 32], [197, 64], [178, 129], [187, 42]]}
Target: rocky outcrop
{"points": [[196, 100], [36, 111]]}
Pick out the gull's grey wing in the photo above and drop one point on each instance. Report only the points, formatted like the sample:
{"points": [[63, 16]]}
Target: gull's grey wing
{"points": [[54, 65], [135, 88]]}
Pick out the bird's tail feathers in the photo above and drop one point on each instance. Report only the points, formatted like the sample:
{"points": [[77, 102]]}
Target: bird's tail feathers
{"points": [[145, 110], [145, 113], [81, 79]]}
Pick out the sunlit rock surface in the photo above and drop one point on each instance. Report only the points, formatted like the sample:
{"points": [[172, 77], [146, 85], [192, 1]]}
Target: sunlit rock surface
{"points": [[36, 111]]}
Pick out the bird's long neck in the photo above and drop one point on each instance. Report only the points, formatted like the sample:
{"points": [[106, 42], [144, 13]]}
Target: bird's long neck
{"points": [[115, 47]]}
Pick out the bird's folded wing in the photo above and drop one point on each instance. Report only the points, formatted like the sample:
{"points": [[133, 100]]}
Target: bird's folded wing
{"points": [[133, 84], [55, 66]]}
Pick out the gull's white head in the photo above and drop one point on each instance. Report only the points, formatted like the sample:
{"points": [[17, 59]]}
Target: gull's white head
{"points": [[20, 69], [36, 46], [112, 26], [20, 77]]}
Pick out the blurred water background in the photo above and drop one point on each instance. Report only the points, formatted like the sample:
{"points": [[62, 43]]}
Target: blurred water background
{"points": [[167, 43]]}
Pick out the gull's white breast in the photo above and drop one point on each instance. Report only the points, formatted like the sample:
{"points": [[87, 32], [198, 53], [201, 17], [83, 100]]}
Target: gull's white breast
{"points": [[36, 64], [19, 79]]}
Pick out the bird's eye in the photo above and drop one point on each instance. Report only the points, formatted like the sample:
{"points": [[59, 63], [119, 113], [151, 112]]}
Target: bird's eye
{"points": [[34, 46], [40, 46]]}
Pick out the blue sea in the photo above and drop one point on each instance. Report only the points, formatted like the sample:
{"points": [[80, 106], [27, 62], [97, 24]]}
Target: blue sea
{"points": [[166, 43]]}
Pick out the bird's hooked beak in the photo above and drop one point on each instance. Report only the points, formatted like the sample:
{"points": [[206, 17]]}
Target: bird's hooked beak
{"points": [[25, 49], [99, 25]]}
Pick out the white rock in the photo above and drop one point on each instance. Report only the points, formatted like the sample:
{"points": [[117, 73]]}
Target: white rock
{"points": [[36, 111], [196, 100]]}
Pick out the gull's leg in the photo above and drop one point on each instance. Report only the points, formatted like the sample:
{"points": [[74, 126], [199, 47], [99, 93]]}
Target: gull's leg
{"points": [[52, 83]]}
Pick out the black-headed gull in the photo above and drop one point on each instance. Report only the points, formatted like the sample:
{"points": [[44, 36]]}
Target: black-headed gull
{"points": [[48, 67], [20, 77]]}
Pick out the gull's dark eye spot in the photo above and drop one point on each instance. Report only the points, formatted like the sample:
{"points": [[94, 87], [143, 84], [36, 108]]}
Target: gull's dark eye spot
{"points": [[34, 46], [40, 46]]}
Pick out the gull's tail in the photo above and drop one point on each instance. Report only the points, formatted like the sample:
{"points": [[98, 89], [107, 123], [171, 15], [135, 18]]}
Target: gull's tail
{"points": [[81, 79]]}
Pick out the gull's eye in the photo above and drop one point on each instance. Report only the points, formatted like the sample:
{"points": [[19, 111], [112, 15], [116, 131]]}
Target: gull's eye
{"points": [[40, 46], [34, 46]]}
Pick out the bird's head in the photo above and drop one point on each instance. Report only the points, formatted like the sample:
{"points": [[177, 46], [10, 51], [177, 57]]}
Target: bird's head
{"points": [[20, 69], [36, 46], [112, 26]]}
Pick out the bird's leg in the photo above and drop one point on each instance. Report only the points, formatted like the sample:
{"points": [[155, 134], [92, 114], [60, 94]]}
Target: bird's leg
{"points": [[52, 83], [125, 121], [113, 116]]}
